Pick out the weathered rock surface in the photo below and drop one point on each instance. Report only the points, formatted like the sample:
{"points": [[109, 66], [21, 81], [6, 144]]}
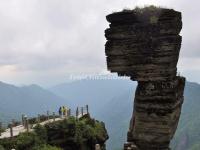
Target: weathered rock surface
{"points": [[156, 113], [144, 44]]}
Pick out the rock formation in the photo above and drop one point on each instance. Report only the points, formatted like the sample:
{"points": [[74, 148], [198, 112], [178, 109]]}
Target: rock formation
{"points": [[144, 44]]}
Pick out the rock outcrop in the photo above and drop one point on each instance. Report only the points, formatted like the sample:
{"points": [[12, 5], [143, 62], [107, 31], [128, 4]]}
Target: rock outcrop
{"points": [[71, 133], [144, 44]]}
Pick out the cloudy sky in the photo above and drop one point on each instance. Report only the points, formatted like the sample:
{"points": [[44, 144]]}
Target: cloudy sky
{"points": [[44, 41]]}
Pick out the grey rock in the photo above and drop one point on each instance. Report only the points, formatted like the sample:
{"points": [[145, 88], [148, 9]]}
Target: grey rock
{"points": [[144, 44]]}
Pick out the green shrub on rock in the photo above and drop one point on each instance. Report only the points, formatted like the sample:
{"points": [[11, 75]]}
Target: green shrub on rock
{"points": [[77, 134], [26, 141], [41, 132], [68, 134], [2, 148], [46, 147]]}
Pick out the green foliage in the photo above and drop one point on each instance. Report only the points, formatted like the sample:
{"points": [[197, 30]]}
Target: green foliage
{"points": [[1, 130], [2, 148], [8, 143], [41, 132], [27, 141], [77, 134], [66, 134], [153, 19], [195, 147], [144, 9], [46, 147]]}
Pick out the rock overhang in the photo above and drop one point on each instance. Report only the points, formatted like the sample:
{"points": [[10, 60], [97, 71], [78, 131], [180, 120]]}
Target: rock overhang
{"points": [[145, 44]]}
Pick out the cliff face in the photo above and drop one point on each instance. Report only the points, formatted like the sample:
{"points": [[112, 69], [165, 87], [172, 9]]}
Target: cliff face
{"points": [[144, 44]]}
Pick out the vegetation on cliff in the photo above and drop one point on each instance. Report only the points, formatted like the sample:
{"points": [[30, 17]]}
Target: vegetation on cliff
{"points": [[1, 130], [67, 134]]}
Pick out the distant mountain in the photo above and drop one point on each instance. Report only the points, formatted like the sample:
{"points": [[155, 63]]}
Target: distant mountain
{"points": [[188, 133], [96, 93], [30, 100], [116, 116]]}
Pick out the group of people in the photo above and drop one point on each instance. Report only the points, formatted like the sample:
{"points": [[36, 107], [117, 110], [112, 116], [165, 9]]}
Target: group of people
{"points": [[63, 111]]}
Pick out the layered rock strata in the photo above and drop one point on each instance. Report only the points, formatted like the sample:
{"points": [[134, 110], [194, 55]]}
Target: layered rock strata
{"points": [[144, 44]]}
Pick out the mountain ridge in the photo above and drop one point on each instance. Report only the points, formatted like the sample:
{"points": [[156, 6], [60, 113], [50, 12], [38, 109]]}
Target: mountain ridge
{"points": [[30, 100], [116, 110]]}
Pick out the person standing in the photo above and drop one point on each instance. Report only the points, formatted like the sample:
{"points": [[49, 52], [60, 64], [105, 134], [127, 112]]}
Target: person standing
{"points": [[64, 111], [60, 112]]}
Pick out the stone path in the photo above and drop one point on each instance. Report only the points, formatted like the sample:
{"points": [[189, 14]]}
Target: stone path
{"points": [[20, 129]]}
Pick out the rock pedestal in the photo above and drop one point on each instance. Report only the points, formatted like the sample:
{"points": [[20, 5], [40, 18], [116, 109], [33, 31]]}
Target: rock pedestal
{"points": [[144, 44]]}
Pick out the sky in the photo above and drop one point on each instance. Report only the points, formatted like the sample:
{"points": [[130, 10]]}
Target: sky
{"points": [[46, 41]]}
